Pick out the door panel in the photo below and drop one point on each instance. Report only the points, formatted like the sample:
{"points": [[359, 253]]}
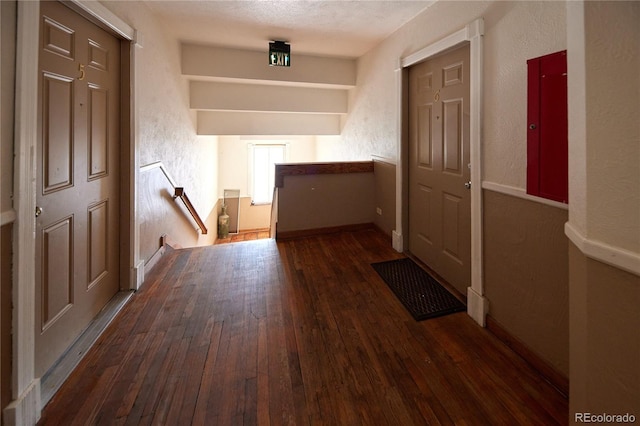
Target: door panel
{"points": [[57, 260], [423, 227], [440, 229], [98, 56], [424, 135], [452, 209], [77, 233], [98, 242], [58, 39], [452, 140], [98, 136], [452, 74], [57, 125]]}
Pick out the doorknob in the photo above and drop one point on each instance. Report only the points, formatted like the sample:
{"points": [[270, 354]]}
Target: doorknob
{"points": [[38, 211], [467, 185]]}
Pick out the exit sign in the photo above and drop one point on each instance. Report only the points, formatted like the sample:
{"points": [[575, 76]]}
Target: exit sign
{"points": [[279, 54]]}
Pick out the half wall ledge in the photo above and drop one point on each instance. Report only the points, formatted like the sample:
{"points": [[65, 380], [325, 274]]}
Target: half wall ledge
{"points": [[299, 169]]}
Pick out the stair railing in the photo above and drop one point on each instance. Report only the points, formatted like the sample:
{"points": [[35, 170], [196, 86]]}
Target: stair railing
{"points": [[179, 193]]}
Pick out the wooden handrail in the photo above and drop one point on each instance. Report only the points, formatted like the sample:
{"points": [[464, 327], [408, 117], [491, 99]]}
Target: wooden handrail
{"points": [[179, 193]]}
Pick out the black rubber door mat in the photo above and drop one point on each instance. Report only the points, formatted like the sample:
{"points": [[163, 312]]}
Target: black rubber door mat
{"points": [[419, 292]]}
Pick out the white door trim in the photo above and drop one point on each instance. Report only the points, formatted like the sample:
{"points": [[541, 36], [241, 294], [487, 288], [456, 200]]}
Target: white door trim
{"points": [[25, 407], [477, 304], [25, 389]]}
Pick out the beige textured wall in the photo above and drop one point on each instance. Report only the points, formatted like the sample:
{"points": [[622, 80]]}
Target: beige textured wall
{"points": [[385, 195], [5, 314], [167, 128], [526, 274], [323, 201], [605, 342]]}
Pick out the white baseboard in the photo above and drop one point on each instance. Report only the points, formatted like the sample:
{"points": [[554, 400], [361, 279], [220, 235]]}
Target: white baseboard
{"points": [[397, 241], [137, 276], [477, 306], [153, 260], [24, 410]]}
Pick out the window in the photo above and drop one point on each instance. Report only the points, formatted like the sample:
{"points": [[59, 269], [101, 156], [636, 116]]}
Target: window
{"points": [[262, 171]]}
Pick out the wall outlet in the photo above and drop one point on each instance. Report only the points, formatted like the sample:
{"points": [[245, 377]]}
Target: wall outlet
{"points": [[379, 211]]}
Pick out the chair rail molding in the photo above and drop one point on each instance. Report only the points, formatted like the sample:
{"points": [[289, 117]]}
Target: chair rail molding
{"points": [[597, 250], [7, 217]]}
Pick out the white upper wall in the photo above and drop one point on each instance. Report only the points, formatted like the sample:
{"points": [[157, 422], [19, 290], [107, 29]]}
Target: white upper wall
{"points": [[604, 129], [613, 123], [514, 32], [167, 128]]}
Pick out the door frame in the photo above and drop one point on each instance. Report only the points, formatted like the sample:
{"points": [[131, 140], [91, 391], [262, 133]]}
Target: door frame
{"points": [[25, 406], [472, 33]]}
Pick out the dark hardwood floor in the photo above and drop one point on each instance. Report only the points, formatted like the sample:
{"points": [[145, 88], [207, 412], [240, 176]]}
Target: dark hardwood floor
{"points": [[302, 332]]}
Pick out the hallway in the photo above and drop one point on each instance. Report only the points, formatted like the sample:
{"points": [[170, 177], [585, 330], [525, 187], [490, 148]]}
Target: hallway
{"points": [[297, 332]]}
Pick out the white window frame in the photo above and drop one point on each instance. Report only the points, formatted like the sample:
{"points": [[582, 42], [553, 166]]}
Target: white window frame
{"points": [[251, 155]]}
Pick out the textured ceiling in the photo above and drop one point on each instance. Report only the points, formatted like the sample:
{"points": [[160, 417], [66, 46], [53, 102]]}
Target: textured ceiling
{"points": [[320, 27]]}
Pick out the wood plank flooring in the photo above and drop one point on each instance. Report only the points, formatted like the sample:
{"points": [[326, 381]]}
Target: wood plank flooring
{"points": [[302, 332], [255, 234]]}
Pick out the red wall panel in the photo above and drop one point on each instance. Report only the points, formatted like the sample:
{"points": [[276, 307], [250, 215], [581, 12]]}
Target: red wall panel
{"points": [[547, 134]]}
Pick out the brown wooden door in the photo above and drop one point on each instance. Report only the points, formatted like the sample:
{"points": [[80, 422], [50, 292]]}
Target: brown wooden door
{"points": [[439, 202], [77, 230]]}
